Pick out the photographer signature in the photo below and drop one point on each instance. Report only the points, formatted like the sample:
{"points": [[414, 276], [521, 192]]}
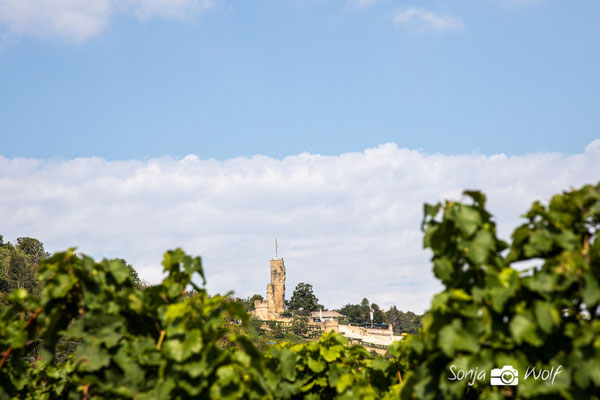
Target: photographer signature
{"points": [[505, 376]]}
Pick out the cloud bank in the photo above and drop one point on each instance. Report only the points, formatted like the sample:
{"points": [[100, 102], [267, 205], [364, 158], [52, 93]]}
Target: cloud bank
{"points": [[78, 20], [347, 224]]}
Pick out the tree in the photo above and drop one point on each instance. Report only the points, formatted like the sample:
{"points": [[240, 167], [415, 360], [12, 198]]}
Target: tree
{"points": [[353, 313], [361, 313], [303, 299], [393, 317], [5, 250], [378, 314], [19, 264], [402, 322], [21, 274], [365, 310], [248, 302], [300, 325], [33, 248], [253, 299]]}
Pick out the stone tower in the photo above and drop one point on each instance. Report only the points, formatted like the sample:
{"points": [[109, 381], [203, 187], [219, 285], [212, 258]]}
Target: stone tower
{"points": [[276, 289]]}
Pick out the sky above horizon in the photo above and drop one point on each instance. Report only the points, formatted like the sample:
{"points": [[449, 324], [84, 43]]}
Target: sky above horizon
{"points": [[131, 127], [138, 79]]}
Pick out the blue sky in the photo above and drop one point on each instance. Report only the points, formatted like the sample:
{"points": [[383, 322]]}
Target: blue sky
{"points": [[237, 78]]}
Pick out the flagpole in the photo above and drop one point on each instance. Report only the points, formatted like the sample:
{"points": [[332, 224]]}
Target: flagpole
{"points": [[275, 247]]}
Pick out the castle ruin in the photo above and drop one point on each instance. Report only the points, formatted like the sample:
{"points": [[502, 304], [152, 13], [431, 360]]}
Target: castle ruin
{"points": [[374, 338], [273, 307]]}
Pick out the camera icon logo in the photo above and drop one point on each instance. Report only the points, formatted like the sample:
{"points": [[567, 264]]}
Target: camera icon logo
{"points": [[506, 375]]}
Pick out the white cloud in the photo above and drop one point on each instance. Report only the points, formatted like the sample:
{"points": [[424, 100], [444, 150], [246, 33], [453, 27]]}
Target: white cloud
{"points": [[78, 20], [179, 9], [348, 224], [70, 19], [420, 19]]}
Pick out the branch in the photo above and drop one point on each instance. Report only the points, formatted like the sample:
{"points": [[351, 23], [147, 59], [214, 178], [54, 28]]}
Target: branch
{"points": [[10, 348]]}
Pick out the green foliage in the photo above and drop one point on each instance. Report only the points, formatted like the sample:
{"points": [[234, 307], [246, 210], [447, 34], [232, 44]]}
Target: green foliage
{"points": [[254, 298], [303, 299], [19, 264], [248, 302], [403, 322], [328, 369], [20, 273], [169, 342], [137, 281], [379, 316], [357, 313], [160, 343], [157, 343], [491, 314], [33, 248], [353, 313], [300, 325]]}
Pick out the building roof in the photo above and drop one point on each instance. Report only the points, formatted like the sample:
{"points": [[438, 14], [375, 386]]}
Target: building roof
{"points": [[326, 314]]}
